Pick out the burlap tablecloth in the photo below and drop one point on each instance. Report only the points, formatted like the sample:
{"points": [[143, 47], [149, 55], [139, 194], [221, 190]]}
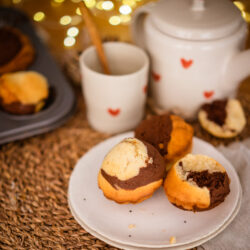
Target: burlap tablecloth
{"points": [[34, 175]]}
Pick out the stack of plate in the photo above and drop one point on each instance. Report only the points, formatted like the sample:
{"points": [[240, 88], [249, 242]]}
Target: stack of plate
{"points": [[150, 224]]}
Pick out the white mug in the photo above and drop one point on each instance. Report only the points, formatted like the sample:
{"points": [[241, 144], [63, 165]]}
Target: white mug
{"points": [[116, 102]]}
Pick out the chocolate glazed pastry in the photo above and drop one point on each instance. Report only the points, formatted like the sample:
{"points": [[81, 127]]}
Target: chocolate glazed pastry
{"points": [[156, 131], [216, 111], [149, 173]]}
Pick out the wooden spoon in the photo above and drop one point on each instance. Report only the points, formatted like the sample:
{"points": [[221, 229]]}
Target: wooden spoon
{"points": [[94, 35]]}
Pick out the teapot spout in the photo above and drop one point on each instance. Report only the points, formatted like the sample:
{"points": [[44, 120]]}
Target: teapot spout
{"points": [[237, 70]]}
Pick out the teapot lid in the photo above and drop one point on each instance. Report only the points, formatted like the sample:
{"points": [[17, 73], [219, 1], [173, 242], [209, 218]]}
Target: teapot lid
{"points": [[196, 19]]}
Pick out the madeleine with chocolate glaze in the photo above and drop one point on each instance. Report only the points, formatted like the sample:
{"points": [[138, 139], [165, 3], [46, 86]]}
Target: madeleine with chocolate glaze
{"points": [[23, 92], [169, 134], [197, 183], [131, 171], [17, 52], [222, 118]]}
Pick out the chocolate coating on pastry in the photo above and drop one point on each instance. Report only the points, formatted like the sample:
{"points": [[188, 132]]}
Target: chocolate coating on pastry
{"points": [[18, 107], [216, 111], [157, 131], [10, 45], [152, 172], [216, 182]]}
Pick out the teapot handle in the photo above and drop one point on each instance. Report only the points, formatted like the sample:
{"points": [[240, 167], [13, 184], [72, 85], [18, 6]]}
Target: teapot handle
{"points": [[237, 70], [137, 24]]}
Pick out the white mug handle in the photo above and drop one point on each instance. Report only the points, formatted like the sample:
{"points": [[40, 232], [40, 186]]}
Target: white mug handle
{"points": [[137, 29]]}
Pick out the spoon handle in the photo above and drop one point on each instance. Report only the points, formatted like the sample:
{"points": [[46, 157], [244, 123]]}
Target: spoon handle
{"points": [[94, 35]]}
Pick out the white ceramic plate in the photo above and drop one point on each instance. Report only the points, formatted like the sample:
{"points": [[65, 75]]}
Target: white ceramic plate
{"points": [[149, 224], [172, 247]]}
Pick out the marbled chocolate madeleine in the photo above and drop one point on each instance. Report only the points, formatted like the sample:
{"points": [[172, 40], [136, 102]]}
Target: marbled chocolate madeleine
{"points": [[10, 45], [157, 131], [216, 111], [150, 173], [216, 182]]}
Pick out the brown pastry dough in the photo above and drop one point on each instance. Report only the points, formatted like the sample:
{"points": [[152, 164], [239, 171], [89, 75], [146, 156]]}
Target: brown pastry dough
{"points": [[17, 53], [23, 92], [197, 182], [131, 172], [170, 134]]}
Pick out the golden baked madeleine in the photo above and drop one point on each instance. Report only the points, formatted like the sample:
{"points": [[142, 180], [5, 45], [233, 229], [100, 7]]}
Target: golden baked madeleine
{"points": [[222, 118], [131, 171], [170, 134], [23, 92], [196, 182]]}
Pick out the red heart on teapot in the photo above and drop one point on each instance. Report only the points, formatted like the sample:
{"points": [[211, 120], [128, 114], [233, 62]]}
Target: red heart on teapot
{"points": [[114, 112], [156, 76], [208, 94], [186, 63]]}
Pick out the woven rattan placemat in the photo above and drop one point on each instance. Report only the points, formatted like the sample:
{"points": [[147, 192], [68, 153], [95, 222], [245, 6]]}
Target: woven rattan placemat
{"points": [[34, 175]]}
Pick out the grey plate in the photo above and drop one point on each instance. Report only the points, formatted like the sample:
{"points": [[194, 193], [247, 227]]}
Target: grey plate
{"points": [[62, 103]]}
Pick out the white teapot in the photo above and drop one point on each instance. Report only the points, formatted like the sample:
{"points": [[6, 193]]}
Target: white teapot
{"points": [[196, 50]]}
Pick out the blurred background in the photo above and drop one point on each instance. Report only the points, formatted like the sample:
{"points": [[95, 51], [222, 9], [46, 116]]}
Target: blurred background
{"points": [[60, 25]]}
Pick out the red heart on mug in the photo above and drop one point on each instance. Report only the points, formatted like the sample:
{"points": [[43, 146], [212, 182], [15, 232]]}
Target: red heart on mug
{"points": [[186, 63], [145, 89], [114, 112], [156, 76], [208, 94]]}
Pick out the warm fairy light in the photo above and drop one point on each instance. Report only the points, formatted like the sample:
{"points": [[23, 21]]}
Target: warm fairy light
{"points": [[107, 5], [125, 9], [69, 41], [239, 5], [246, 16], [76, 1], [99, 5], [114, 20], [73, 31], [75, 20], [78, 12], [58, 1], [125, 18], [16, 1], [90, 3], [39, 16], [130, 3], [65, 20]]}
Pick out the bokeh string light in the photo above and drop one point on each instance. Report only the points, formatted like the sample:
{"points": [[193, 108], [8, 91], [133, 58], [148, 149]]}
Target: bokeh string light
{"points": [[114, 12]]}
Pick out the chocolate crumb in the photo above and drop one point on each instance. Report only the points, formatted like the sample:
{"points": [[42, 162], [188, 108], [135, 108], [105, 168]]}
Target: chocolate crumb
{"points": [[84, 199], [129, 236], [130, 211], [185, 221]]}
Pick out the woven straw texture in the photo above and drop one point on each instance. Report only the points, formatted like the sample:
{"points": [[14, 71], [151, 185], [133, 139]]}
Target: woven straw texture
{"points": [[34, 175]]}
